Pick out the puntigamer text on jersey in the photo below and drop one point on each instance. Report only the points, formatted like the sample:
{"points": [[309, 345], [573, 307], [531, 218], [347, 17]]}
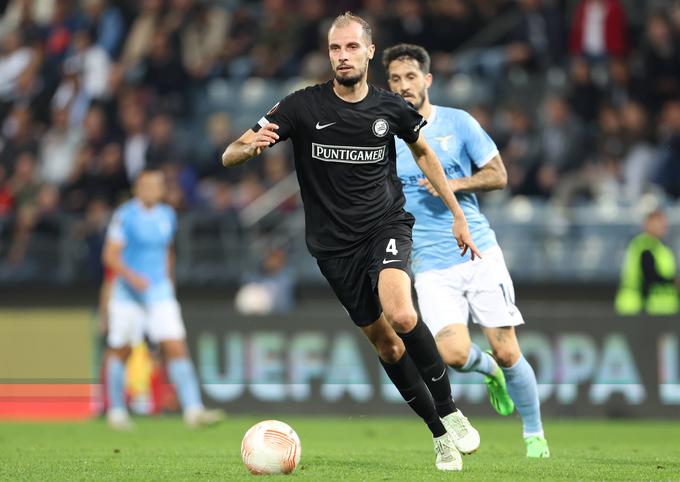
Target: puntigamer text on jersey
{"points": [[352, 154]]}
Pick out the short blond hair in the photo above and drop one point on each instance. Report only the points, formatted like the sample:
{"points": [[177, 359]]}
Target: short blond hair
{"points": [[348, 17]]}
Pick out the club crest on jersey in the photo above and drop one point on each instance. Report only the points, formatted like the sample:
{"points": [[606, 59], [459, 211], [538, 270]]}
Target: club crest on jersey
{"points": [[380, 127]]}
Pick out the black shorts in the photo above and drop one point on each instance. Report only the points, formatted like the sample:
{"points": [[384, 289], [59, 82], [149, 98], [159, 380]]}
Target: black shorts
{"points": [[354, 278]]}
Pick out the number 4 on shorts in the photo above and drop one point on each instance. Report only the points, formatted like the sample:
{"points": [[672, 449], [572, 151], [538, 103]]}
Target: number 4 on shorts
{"points": [[392, 247]]}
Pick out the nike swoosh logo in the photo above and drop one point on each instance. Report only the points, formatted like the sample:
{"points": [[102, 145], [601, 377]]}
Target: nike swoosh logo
{"points": [[388, 261], [440, 376], [319, 126]]}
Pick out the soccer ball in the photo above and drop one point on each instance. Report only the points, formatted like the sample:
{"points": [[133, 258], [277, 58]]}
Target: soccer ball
{"points": [[271, 447]]}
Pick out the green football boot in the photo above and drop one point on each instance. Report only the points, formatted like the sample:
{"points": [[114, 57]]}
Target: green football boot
{"points": [[498, 393], [537, 447]]}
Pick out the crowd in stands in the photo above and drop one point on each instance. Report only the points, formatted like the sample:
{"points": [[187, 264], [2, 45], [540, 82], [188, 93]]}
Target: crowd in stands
{"points": [[91, 91]]}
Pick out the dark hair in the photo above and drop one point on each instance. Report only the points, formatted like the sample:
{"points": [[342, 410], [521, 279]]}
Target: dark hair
{"points": [[407, 51], [348, 17]]}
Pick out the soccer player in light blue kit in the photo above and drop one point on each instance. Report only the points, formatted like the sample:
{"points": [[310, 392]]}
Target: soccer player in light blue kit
{"points": [[139, 250], [452, 288]]}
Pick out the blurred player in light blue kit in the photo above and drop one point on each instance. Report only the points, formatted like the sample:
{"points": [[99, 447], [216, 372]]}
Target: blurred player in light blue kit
{"points": [[451, 288], [139, 250]]}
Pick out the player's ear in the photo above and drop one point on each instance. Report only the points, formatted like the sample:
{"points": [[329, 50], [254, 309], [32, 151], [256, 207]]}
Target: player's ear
{"points": [[371, 51], [428, 80]]}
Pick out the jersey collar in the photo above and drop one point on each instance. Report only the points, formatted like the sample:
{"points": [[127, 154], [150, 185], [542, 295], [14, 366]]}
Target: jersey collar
{"points": [[433, 116]]}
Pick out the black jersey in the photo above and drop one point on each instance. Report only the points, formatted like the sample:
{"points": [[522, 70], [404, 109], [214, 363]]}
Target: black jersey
{"points": [[345, 160]]}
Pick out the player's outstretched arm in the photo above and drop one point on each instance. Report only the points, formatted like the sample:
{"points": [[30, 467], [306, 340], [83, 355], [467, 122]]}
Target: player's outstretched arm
{"points": [[490, 177], [429, 163], [249, 145]]}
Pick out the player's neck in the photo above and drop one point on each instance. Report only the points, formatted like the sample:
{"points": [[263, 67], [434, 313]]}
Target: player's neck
{"points": [[146, 205], [425, 110], [351, 93]]}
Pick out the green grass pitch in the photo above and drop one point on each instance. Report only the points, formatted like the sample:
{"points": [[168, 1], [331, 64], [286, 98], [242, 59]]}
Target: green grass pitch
{"points": [[363, 448]]}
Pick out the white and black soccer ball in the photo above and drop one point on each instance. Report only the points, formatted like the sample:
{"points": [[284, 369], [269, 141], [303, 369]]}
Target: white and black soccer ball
{"points": [[271, 447]]}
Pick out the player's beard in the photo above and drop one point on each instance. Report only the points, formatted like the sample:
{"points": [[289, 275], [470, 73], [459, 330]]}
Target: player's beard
{"points": [[350, 80], [418, 102]]}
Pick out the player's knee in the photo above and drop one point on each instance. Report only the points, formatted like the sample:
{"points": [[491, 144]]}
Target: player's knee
{"points": [[454, 356], [390, 352], [402, 320], [506, 356]]}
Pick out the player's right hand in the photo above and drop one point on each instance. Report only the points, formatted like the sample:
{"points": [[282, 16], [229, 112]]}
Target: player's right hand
{"points": [[463, 237], [138, 283], [265, 137]]}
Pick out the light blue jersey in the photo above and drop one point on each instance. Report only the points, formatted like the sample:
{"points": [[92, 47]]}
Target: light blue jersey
{"points": [[459, 142], [146, 235]]}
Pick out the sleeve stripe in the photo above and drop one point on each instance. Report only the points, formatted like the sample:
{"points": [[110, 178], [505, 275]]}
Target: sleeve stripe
{"points": [[262, 122], [488, 158]]}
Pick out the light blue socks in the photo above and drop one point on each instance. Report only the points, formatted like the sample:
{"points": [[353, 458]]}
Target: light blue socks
{"points": [[115, 383], [182, 375], [479, 361], [523, 389]]}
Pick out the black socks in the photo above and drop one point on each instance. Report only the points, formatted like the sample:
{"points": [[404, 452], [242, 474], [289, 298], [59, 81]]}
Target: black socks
{"points": [[411, 386], [422, 348]]}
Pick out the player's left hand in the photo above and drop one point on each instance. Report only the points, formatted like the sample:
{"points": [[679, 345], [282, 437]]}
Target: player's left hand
{"points": [[430, 188], [463, 237]]}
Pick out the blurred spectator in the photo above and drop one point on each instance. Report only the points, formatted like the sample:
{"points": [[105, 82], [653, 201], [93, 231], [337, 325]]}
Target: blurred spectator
{"points": [[621, 87], [203, 38], [18, 136], [539, 34], [164, 75], [562, 140], [313, 29], [449, 24], [521, 151], [136, 141], [668, 176], [599, 30], [273, 55], [139, 38], [105, 20], [609, 130], [58, 148], [181, 183], [98, 169], [33, 203], [93, 65], [6, 200], [660, 56], [70, 93], [584, 96], [218, 127], [19, 13], [92, 230], [162, 142], [57, 38], [97, 174], [249, 189], [649, 273], [407, 24], [240, 40], [639, 161], [17, 59]]}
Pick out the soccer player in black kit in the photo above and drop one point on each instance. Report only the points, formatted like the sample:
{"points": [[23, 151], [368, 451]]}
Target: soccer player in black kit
{"points": [[356, 226]]}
